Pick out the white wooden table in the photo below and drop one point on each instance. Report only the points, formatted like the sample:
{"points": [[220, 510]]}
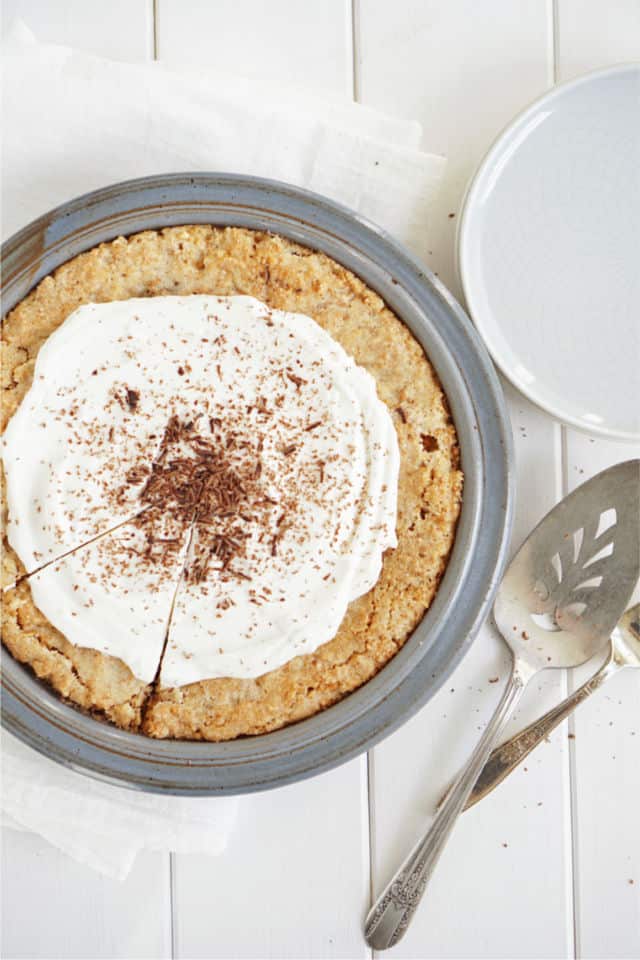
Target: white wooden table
{"points": [[549, 866]]}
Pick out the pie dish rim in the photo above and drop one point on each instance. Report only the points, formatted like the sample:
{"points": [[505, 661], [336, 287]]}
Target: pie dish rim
{"points": [[38, 717]]}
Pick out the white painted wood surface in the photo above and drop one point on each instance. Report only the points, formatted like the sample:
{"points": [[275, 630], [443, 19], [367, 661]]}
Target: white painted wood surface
{"points": [[120, 29], [605, 755], [293, 882], [304, 44], [55, 907], [543, 867]]}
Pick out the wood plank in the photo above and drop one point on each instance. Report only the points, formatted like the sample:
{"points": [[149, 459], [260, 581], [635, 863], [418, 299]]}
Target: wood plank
{"points": [[293, 883], [605, 751], [120, 29], [593, 35], [478, 904], [464, 70], [55, 907], [295, 880], [491, 895], [51, 905], [306, 45], [606, 775]]}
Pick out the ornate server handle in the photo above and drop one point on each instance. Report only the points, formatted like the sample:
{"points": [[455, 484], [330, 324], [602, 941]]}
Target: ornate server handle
{"points": [[506, 757], [392, 912]]}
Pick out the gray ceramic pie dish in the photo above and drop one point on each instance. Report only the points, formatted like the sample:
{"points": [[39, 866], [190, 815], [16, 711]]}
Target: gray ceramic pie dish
{"points": [[35, 714]]}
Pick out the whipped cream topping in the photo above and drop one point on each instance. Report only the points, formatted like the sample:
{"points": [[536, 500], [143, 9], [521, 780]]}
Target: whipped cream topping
{"points": [[249, 465], [113, 595]]}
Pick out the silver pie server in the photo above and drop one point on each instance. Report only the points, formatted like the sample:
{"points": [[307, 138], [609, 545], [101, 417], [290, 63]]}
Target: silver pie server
{"points": [[560, 598], [623, 651]]}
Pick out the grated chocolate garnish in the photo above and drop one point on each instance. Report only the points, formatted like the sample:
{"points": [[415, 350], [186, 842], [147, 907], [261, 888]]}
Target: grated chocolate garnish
{"points": [[133, 399], [296, 379], [208, 483]]}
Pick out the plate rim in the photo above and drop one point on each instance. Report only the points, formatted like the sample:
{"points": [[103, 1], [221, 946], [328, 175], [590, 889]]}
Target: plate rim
{"points": [[463, 269], [487, 387]]}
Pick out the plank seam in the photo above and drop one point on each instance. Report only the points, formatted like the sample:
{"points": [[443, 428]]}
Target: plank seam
{"points": [[573, 773], [571, 757], [370, 825], [554, 23], [355, 49], [154, 11], [172, 900], [573, 930]]}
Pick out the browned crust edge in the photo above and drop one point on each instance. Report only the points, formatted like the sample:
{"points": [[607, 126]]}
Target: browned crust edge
{"points": [[286, 276]]}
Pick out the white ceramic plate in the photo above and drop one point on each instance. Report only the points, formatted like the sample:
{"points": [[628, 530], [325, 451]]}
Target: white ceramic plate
{"points": [[549, 252]]}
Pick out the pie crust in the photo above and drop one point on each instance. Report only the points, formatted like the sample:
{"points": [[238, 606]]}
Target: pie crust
{"points": [[286, 276]]}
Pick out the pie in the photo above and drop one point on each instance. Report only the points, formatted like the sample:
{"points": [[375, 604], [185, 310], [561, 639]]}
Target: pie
{"points": [[203, 510]]}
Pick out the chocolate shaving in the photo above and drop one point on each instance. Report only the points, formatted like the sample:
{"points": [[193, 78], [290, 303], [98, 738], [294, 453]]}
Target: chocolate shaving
{"points": [[133, 398], [210, 481], [136, 474], [295, 379]]}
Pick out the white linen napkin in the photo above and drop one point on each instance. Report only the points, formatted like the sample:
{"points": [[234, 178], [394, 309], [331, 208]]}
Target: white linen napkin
{"points": [[74, 122], [101, 825]]}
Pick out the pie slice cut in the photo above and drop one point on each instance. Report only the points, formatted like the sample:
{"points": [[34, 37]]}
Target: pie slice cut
{"points": [[94, 622], [211, 264], [90, 451]]}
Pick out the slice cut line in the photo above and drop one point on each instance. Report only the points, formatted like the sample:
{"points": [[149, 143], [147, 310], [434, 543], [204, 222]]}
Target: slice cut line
{"points": [[68, 553]]}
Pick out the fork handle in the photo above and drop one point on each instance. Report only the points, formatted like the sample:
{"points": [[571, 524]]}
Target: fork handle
{"points": [[506, 757], [391, 914]]}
